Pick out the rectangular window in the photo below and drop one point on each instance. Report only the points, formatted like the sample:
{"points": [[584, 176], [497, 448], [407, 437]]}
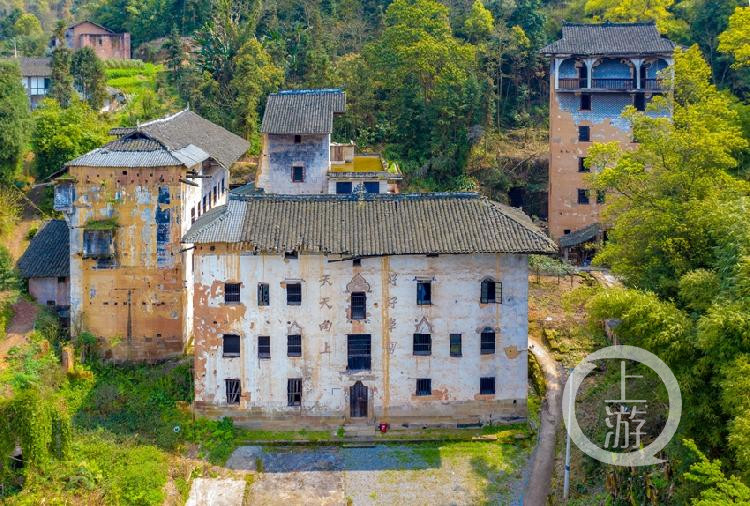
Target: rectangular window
{"points": [[358, 352], [424, 293], [264, 295], [456, 345], [293, 294], [422, 344], [291, 255], [264, 346], [582, 164], [359, 306], [232, 387], [231, 345], [639, 101], [298, 174], [583, 196], [585, 102], [343, 187], [294, 391], [372, 187], [297, 139], [487, 343], [231, 293], [424, 386], [491, 292], [216, 193], [97, 244], [223, 188], [600, 196], [192, 215], [487, 386], [294, 345], [584, 133]]}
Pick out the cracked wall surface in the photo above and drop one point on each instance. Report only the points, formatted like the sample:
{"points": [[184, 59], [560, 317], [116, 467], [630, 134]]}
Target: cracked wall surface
{"points": [[393, 316]]}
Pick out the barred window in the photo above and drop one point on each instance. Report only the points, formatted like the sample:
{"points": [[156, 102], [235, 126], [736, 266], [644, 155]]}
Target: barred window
{"points": [[294, 345], [264, 295], [487, 343], [359, 306], [487, 386], [231, 345], [359, 352], [264, 346], [455, 346], [294, 294], [422, 344], [294, 391], [489, 292], [231, 293], [424, 386], [233, 389]]}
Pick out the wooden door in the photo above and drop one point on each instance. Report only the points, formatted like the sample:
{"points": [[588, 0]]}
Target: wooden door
{"points": [[358, 400]]}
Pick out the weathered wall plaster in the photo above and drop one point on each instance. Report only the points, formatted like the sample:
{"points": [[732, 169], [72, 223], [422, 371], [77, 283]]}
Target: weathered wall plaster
{"points": [[281, 153]]}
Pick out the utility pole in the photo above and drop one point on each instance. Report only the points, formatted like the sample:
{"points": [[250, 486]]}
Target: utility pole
{"points": [[566, 482]]}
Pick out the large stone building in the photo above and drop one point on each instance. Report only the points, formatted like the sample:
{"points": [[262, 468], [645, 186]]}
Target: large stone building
{"points": [[298, 156], [329, 309], [596, 71], [127, 205]]}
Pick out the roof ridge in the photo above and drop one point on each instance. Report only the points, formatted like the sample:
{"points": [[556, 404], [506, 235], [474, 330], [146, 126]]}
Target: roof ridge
{"points": [[161, 120], [611, 23], [357, 196], [309, 91]]}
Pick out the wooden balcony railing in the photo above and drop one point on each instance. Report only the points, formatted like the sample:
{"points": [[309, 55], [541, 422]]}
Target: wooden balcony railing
{"points": [[575, 83]]}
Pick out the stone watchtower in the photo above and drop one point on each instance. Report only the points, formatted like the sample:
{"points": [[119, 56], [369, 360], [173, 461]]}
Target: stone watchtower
{"points": [[596, 71]]}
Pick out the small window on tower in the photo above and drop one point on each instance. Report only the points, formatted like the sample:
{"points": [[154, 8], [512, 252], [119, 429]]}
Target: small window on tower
{"points": [[298, 174], [231, 345], [264, 296], [585, 102], [639, 101], [297, 139], [582, 164], [583, 196], [584, 133]]}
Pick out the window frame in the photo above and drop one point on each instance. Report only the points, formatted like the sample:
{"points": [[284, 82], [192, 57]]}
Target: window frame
{"points": [[426, 387], [455, 340], [294, 392], [601, 196], [582, 164], [484, 297], [585, 98], [370, 184], [424, 298], [294, 345], [229, 298], [340, 185], [484, 385], [264, 294], [301, 169], [484, 343], [639, 101], [359, 352], [293, 299], [584, 198], [231, 354], [358, 300], [233, 394], [421, 344], [584, 133], [264, 347]]}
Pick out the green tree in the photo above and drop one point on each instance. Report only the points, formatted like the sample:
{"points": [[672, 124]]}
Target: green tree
{"points": [[659, 11], [61, 134], [14, 111], [88, 76], [479, 23], [736, 38], [61, 88]]}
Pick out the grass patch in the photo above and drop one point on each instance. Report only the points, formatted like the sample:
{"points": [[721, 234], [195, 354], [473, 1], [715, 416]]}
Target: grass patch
{"points": [[246, 435]]}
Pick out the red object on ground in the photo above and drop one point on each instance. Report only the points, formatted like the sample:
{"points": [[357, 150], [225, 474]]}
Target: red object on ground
{"points": [[383, 427]]}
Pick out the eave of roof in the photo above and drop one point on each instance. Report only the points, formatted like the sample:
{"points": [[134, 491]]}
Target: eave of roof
{"points": [[613, 39], [48, 253]]}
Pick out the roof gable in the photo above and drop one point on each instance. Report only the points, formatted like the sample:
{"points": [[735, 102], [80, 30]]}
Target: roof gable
{"points": [[138, 149], [610, 38], [370, 225], [48, 254], [302, 111]]}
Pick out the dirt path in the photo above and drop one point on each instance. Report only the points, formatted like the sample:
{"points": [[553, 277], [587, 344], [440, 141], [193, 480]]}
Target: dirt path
{"points": [[544, 455], [24, 314]]}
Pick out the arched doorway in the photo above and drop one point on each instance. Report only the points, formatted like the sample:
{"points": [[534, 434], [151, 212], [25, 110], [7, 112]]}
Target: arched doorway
{"points": [[358, 400]]}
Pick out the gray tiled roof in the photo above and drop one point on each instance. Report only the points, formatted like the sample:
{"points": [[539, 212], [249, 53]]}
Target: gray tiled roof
{"points": [[580, 236], [372, 224], [302, 111], [138, 150], [48, 252], [35, 67], [610, 38], [186, 127]]}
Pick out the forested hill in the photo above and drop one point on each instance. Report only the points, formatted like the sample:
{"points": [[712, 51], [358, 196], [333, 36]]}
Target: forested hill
{"points": [[425, 80]]}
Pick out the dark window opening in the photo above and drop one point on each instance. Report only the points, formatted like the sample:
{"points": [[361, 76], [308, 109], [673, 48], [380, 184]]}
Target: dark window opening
{"points": [[223, 188], [424, 386], [231, 345], [487, 343], [583, 196], [356, 262], [566, 231], [264, 294], [264, 346], [97, 244], [489, 292], [639, 101], [601, 195], [358, 352], [297, 139], [359, 306], [231, 293], [584, 133], [372, 187], [204, 204], [294, 294], [583, 74], [61, 279], [291, 255], [343, 187], [294, 345], [294, 391], [298, 174], [424, 293], [585, 102], [422, 344], [233, 390], [582, 164], [455, 346], [192, 215], [487, 386]]}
